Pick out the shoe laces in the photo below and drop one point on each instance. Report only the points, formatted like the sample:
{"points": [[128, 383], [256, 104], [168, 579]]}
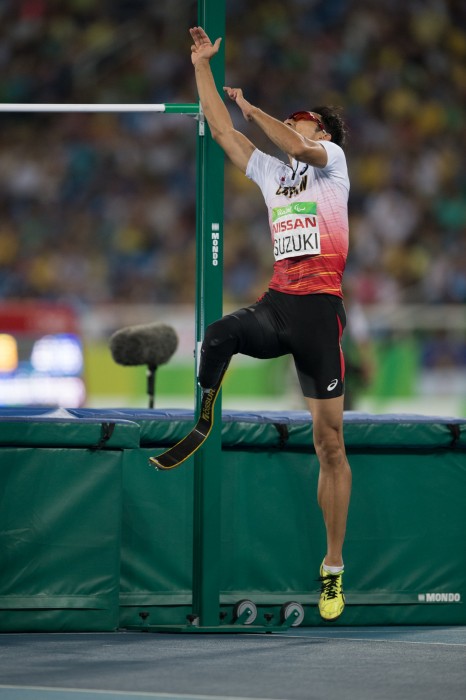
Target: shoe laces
{"points": [[329, 585]]}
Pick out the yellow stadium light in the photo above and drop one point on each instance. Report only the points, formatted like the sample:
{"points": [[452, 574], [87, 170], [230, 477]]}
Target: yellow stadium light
{"points": [[8, 353]]}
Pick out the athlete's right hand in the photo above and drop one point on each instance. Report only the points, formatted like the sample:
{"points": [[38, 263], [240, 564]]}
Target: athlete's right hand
{"points": [[202, 47], [236, 94]]}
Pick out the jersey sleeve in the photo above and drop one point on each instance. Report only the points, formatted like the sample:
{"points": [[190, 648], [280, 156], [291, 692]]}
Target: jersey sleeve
{"points": [[265, 170], [336, 162]]}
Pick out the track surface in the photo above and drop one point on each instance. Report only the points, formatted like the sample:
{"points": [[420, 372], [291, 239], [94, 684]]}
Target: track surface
{"points": [[383, 663]]}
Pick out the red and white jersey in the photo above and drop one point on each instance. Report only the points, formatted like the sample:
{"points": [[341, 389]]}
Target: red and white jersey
{"points": [[308, 218]]}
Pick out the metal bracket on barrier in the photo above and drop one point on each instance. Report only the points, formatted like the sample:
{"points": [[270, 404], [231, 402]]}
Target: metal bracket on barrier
{"points": [[244, 614]]}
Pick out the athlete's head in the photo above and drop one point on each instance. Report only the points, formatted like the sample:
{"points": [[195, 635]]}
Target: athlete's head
{"points": [[323, 122]]}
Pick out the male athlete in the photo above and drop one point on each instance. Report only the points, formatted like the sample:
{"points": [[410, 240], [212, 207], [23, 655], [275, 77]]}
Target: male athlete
{"points": [[302, 313]]}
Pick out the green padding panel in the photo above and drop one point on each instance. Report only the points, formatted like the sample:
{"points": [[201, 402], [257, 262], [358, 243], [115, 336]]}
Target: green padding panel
{"points": [[365, 435], [69, 433], [407, 520], [60, 524], [156, 547], [402, 434], [408, 514], [166, 432], [272, 530], [365, 432], [405, 555]]}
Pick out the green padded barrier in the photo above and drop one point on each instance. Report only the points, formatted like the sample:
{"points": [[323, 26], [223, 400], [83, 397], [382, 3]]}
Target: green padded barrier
{"points": [[266, 428], [68, 432], [404, 551], [62, 509], [156, 548], [60, 524]]}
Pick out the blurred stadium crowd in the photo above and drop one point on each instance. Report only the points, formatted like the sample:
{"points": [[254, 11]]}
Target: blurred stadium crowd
{"points": [[97, 208]]}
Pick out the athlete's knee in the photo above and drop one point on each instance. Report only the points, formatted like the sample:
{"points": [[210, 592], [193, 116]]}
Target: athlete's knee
{"points": [[329, 446], [222, 338], [221, 341]]}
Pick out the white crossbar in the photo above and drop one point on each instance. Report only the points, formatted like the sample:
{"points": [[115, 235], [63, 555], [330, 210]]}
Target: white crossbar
{"points": [[41, 107]]}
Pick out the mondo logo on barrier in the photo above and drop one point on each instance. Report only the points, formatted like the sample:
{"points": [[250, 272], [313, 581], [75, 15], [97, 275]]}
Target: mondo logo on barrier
{"points": [[439, 597]]}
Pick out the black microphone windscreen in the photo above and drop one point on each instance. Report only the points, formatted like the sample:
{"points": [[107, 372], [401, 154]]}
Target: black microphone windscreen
{"points": [[152, 344]]}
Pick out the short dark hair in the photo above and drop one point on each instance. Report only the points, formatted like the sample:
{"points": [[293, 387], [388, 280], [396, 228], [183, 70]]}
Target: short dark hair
{"points": [[333, 123]]}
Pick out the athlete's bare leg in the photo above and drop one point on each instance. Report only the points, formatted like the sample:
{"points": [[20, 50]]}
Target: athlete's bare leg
{"points": [[334, 486]]}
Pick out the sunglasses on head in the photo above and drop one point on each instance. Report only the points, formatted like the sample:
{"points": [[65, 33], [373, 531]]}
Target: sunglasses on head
{"points": [[307, 117]]}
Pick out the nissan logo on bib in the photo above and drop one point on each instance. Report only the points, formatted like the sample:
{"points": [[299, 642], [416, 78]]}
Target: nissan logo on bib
{"points": [[295, 230]]}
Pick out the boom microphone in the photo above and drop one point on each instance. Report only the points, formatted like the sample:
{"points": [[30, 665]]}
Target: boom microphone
{"points": [[152, 344]]}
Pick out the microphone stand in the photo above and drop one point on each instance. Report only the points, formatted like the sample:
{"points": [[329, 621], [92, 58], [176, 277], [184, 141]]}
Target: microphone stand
{"points": [[151, 369]]}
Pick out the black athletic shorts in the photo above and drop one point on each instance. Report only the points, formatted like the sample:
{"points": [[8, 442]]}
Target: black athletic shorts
{"points": [[309, 327]]}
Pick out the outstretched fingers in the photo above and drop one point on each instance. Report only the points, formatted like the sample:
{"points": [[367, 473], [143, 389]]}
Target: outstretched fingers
{"points": [[199, 36], [201, 39]]}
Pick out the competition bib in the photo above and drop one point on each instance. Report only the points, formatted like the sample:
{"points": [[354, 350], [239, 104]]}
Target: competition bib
{"points": [[295, 230]]}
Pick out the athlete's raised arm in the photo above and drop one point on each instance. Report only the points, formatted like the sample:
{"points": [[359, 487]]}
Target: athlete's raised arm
{"points": [[304, 147], [235, 144]]}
